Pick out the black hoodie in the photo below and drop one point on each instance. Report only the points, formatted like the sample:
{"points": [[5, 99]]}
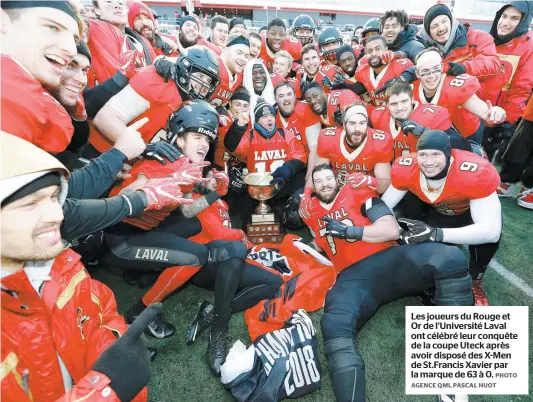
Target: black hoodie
{"points": [[406, 42], [526, 8]]}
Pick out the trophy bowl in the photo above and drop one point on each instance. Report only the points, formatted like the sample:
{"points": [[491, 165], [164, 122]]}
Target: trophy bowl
{"points": [[260, 189]]}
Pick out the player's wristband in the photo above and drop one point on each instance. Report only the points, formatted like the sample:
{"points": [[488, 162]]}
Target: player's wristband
{"points": [[354, 232], [211, 197]]}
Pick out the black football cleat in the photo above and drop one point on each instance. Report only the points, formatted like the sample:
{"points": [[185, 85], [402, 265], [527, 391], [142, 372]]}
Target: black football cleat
{"points": [[157, 328], [203, 320], [426, 297], [217, 350]]}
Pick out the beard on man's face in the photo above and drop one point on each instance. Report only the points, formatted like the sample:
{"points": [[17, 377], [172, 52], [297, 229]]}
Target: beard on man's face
{"points": [[331, 190], [185, 42]]}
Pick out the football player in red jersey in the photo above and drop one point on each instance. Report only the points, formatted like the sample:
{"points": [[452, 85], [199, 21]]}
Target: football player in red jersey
{"points": [[383, 66], [38, 43], [239, 104], [457, 94], [281, 67], [329, 107], [466, 51], [156, 92], [298, 118], [276, 40], [407, 119], [457, 197], [329, 41], [231, 64], [356, 230], [360, 155], [313, 71], [157, 241], [266, 148], [110, 39], [142, 20], [255, 45], [303, 28]]}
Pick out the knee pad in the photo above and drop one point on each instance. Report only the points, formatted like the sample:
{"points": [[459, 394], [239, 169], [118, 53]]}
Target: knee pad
{"points": [[453, 283], [346, 368], [221, 250], [291, 218], [337, 325]]}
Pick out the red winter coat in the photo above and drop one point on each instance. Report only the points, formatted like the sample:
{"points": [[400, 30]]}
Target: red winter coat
{"points": [[517, 56], [76, 318], [480, 59]]}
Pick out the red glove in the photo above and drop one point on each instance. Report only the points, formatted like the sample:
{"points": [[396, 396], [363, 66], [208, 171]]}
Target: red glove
{"points": [[387, 56], [222, 182], [129, 61], [162, 193], [361, 180], [305, 204], [188, 174], [78, 112]]}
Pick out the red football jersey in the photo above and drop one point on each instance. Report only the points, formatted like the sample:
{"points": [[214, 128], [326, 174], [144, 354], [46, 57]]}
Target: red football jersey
{"points": [[291, 45], [339, 98], [209, 45], [345, 208], [227, 85], [266, 155], [434, 117], [299, 120], [30, 112], [164, 99], [366, 76], [224, 123], [216, 223], [376, 148], [151, 169], [324, 77], [451, 93], [469, 177]]}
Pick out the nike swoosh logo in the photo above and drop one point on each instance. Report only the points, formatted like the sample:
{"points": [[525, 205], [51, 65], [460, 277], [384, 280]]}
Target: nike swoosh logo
{"points": [[342, 201], [366, 157], [424, 232]]}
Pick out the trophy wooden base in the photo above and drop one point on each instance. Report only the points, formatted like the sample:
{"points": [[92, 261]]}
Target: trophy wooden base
{"points": [[264, 232]]}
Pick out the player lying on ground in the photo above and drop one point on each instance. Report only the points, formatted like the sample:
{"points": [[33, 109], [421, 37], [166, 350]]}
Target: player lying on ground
{"points": [[357, 231], [457, 201], [158, 239]]}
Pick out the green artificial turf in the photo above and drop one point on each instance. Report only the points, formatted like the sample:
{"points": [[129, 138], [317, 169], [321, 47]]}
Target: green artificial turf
{"points": [[180, 373]]}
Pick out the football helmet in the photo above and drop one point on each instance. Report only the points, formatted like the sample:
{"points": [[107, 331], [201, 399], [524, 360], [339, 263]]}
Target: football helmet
{"points": [[371, 25], [194, 115], [304, 21], [330, 35], [197, 59]]}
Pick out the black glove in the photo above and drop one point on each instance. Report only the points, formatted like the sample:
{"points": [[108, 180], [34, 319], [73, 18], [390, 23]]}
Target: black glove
{"points": [[326, 82], [127, 361], [410, 126], [338, 115], [338, 82], [413, 231], [504, 131], [281, 175], [282, 267], [166, 69], [338, 229], [406, 76], [455, 69], [161, 149]]}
